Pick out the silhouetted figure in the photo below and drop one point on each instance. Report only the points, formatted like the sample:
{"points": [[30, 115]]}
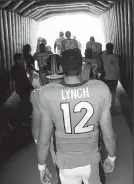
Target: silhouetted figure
{"points": [[112, 70], [23, 88], [29, 60]]}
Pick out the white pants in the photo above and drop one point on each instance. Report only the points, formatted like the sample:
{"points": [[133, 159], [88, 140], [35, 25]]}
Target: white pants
{"points": [[76, 175]]}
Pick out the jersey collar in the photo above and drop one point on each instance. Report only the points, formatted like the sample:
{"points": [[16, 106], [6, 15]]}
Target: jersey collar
{"points": [[73, 85]]}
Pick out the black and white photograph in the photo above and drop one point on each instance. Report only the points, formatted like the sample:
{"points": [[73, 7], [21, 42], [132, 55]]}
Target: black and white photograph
{"points": [[66, 92]]}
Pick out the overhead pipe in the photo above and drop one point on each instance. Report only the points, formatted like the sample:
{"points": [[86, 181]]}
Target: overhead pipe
{"points": [[16, 5], [5, 4]]}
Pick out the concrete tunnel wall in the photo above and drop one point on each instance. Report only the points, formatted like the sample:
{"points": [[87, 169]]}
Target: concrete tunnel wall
{"points": [[15, 31], [118, 29]]}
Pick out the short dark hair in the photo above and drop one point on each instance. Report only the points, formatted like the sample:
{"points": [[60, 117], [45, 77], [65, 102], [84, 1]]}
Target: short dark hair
{"points": [[92, 38], [67, 32], [42, 48], [17, 57], [109, 46], [26, 48], [61, 33], [71, 62]]}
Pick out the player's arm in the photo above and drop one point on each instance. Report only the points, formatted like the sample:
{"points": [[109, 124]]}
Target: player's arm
{"points": [[35, 115], [46, 130], [106, 125]]}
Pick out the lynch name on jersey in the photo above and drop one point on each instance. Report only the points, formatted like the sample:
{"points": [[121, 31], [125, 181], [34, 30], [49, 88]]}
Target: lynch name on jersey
{"points": [[75, 93]]}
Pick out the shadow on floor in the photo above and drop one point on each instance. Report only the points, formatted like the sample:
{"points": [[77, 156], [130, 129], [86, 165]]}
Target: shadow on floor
{"points": [[13, 143]]}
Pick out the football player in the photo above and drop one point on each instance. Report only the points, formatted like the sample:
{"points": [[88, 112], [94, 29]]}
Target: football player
{"points": [[68, 43], [92, 67], [74, 108], [112, 71], [95, 46], [41, 57], [39, 41], [36, 114], [57, 44]]}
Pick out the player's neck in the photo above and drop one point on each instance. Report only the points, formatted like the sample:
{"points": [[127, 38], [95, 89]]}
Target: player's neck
{"points": [[72, 80]]}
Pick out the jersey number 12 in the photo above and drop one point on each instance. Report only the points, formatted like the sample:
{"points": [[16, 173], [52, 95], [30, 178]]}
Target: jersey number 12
{"points": [[80, 127]]}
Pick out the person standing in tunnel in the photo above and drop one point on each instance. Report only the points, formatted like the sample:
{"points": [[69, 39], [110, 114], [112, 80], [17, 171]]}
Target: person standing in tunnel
{"points": [[41, 57], [77, 154], [95, 46], [29, 61], [23, 88], [68, 43], [112, 71], [57, 44], [92, 67]]}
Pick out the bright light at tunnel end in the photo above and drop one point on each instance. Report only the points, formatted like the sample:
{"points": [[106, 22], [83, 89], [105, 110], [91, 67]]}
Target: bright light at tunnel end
{"points": [[81, 25]]}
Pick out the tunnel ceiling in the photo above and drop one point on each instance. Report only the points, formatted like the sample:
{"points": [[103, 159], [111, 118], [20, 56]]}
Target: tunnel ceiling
{"points": [[40, 10]]}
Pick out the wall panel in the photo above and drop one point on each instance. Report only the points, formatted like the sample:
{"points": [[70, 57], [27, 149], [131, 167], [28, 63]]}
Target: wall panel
{"points": [[15, 31], [118, 29], [19, 34], [2, 45], [10, 38]]}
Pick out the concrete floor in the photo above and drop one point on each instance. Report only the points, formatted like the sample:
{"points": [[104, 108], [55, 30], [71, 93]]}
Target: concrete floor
{"points": [[21, 168]]}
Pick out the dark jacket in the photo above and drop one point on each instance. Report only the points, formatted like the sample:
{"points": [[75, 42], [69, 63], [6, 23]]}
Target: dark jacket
{"points": [[19, 76]]}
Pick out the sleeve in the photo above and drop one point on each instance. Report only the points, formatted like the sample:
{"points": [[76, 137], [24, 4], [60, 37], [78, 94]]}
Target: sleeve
{"points": [[46, 127], [107, 97]]}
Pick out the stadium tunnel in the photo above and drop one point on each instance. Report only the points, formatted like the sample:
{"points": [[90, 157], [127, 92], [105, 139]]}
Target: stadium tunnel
{"points": [[19, 22], [19, 25]]}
